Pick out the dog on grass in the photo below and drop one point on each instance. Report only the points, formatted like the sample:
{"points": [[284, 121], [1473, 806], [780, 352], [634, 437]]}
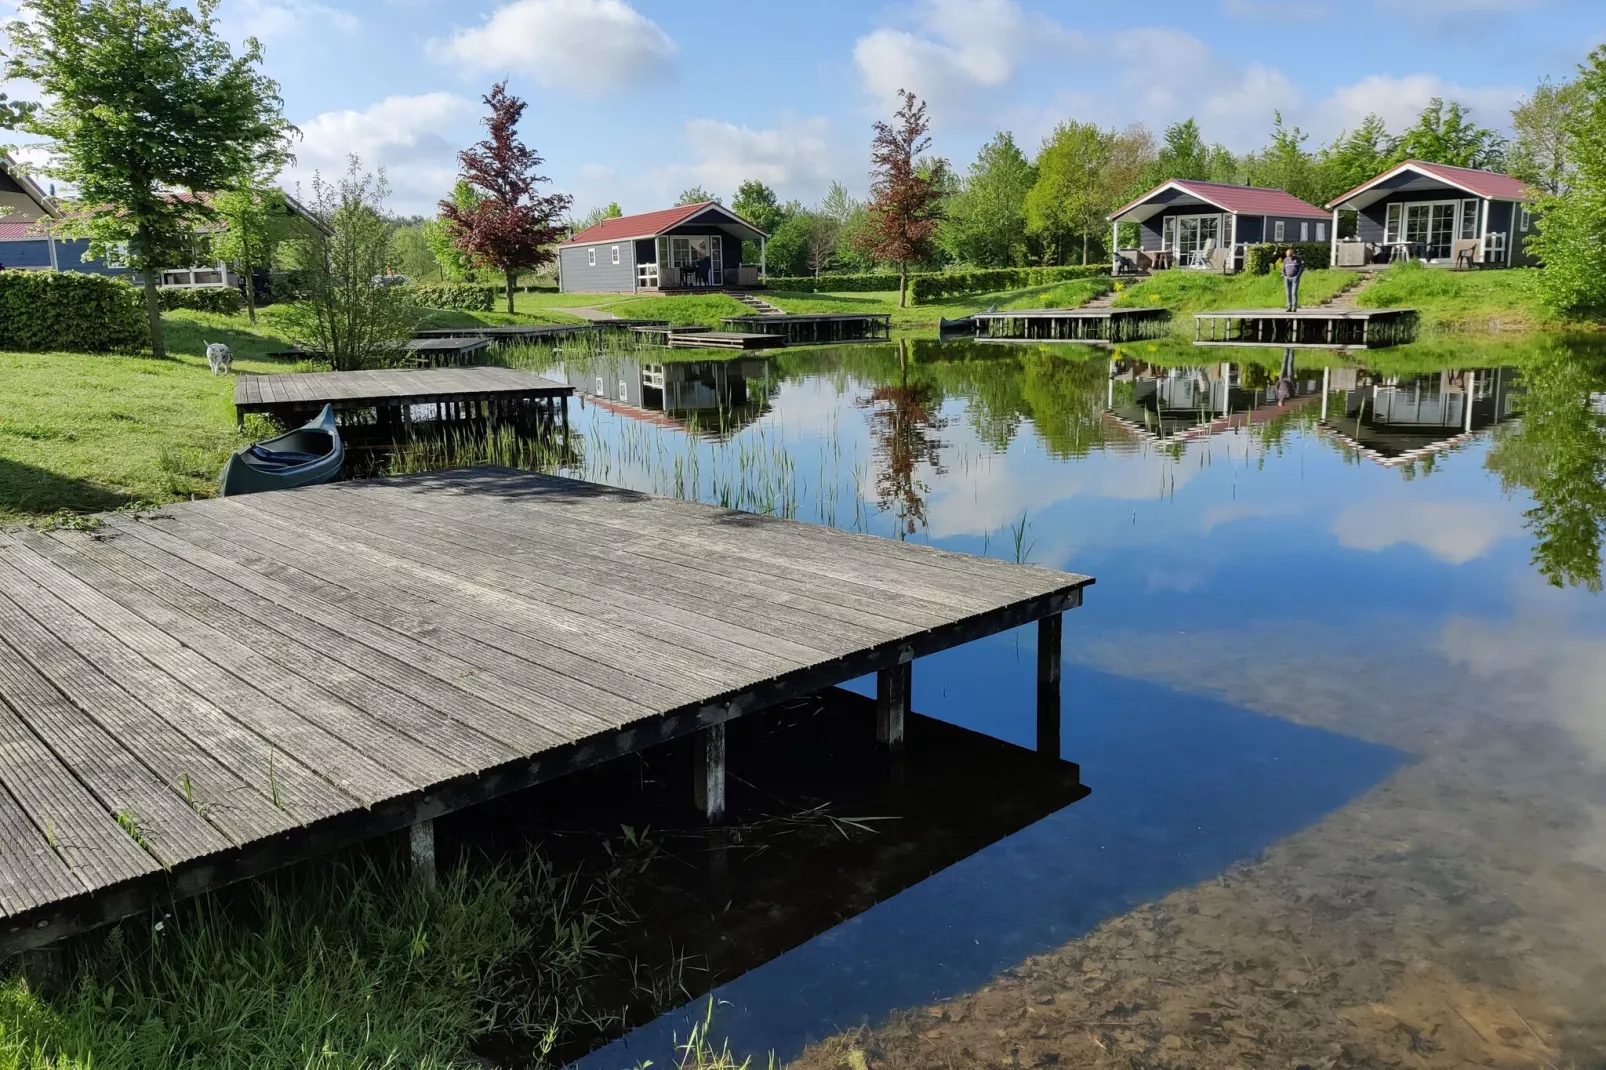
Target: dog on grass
{"points": [[219, 357]]}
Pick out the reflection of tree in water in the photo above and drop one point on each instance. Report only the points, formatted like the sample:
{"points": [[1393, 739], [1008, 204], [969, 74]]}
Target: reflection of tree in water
{"points": [[1558, 454], [905, 417]]}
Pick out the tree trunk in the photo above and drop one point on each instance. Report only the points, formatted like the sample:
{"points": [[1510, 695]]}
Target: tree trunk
{"points": [[1084, 248], [153, 309], [903, 282], [510, 277], [250, 282]]}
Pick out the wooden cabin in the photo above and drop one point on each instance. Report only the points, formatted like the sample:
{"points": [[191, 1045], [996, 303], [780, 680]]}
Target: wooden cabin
{"points": [[1209, 225], [1441, 215], [692, 247]]}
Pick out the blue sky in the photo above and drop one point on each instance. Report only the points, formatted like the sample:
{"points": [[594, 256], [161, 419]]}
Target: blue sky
{"points": [[634, 100]]}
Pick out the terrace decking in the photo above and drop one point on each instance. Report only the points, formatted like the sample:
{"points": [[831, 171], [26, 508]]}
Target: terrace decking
{"points": [[461, 393], [817, 329], [1070, 324], [199, 695], [1311, 328]]}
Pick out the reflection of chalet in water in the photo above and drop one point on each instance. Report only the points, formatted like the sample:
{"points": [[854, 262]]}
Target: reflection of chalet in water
{"points": [[1184, 403], [1394, 420], [712, 397]]}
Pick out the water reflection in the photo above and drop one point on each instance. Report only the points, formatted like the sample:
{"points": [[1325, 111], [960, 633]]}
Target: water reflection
{"points": [[1397, 419], [714, 398]]}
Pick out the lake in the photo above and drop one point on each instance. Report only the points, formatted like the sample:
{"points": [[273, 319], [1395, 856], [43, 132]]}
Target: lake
{"points": [[1339, 694]]}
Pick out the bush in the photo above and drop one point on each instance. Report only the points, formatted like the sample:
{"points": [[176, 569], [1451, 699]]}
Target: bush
{"points": [[225, 300], [457, 296], [1259, 259], [924, 289], [67, 310]]}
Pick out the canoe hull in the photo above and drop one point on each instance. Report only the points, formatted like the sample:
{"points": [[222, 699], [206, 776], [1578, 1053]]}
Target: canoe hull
{"points": [[247, 472]]}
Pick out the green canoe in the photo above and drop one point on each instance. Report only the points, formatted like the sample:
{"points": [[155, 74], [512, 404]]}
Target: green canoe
{"points": [[312, 453]]}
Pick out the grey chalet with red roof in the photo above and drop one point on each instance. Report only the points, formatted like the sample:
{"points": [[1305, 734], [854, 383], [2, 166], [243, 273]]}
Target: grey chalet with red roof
{"points": [[690, 247], [1433, 212], [1188, 223]]}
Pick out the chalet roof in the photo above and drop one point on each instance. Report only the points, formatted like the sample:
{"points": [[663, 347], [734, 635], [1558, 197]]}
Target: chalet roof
{"points": [[652, 224], [1241, 200], [1490, 184]]}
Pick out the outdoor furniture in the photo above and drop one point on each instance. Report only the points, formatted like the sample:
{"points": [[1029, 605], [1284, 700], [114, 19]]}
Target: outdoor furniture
{"points": [[1163, 259], [1466, 253], [1401, 250], [688, 277], [1353, 254], [1200, 258], [1128, 261]]}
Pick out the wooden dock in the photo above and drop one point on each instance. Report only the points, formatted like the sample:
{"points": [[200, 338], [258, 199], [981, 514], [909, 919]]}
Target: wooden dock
{"points": [[446, 352], [488, 393], [1309, 328], [1071, 324], [725, 340], [510, 334], [817, 329], [198, 695]]}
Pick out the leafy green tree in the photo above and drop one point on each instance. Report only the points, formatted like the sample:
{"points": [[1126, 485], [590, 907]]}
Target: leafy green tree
{"points": [[1568, 241], [1353, 157], [1070, 196], [756, 203], [411, 254], [1183, 153], [985, 220], [611, 210], [787, 252], [442, 237], [1445, 133], [695, 195], [143, 98], [257, 219], [1286, 164], [1541, 153]]}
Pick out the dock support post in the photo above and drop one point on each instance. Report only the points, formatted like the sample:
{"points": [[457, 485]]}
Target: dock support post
{"points": [[1048, 685], [892, 688], [708, 773], [421, 837], [44, 969]]}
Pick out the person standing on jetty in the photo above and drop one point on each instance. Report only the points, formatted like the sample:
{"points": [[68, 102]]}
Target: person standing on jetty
{"points": [[1293, 269]]}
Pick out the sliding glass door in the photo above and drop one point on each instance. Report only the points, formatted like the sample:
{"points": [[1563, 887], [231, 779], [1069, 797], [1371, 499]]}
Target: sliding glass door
{"points": [[1432, 227]]}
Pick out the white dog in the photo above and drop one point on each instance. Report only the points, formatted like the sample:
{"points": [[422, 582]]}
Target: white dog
{"points": [[219, 357]]}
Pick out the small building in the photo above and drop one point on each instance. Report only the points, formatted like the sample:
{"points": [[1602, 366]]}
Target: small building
{"points": [[1208, 225], [1454, 216], [692, 247]]}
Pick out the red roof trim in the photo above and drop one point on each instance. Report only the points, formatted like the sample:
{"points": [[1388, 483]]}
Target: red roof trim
{"points": [[1240, 200], [649, 224], [1491, 184]]}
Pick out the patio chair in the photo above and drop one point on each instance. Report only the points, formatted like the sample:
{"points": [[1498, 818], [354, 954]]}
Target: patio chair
{"points": [[1200, 257], [1466, 253]]}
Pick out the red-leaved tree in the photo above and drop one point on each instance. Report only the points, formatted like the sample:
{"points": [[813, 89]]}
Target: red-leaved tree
{"points": [[905, 199], [510, 227]]}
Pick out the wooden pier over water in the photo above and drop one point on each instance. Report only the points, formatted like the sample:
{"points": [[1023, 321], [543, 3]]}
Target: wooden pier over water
{"points": [[1309, 328], [478, 393], [1070, 324], [195, 696], [822, 329]]}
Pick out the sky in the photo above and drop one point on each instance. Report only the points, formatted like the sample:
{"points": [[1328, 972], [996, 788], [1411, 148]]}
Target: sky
{"points": [[636, 100]]}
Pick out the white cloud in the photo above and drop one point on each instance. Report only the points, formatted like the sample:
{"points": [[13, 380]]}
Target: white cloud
{"points": [[1454, 532], [415, 139], [271, 20], [590, 47], [1400, 99], [796, 157]]}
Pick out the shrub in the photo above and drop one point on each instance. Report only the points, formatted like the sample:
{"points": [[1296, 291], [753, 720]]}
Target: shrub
{"points": [[225, 300], [1259, 259], [457, 296], [924, 289], [68, 310]]}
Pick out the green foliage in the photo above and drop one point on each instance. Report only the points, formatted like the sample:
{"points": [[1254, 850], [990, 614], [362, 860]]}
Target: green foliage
{"points": [[441, 237], [787, 250], [65, 310], [1185, 292], [458, 296], [694, 195], [757, 203], [1069, 198], [223, 300], [1460, 300], [1445, 133], [258, 219], [924, 289], [871, 282], [411, 254], [1541, 152], [985, 221], [1260, 259], [611, 210], [1570, 227], [1287, 165], [1183, 153]]}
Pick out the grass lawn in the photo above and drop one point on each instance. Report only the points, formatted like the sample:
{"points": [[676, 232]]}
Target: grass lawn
{"points": [[1060, 295], [1462, 300], [1187, 292]]}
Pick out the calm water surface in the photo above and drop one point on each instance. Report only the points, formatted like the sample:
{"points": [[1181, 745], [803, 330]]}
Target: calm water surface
{"points": [[1340, 694]]}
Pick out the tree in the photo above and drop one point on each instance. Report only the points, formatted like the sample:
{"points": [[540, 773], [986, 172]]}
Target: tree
{"points": [[611, 210], [1132, 157], [1184, 154], [985, 220], [1069, 196], [255, 215], [411, 253], [1285, 164], [905, 418], [905, 199], [787, 251], [1570, 227], [1354, 157], [823, 234], [348, 315], [756, 203], [142, 98], [1445, 133], [695, 195], [1541, 153], [510, 227]]}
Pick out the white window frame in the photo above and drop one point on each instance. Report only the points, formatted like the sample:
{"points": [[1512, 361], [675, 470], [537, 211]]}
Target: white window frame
{"points": [[615, 254], [1277, 231], [1321, 231], [591, 257], [1173, 225], [1393, 222], [1524, 220], [1455, 230], [1462, 231], [1304, 230]]}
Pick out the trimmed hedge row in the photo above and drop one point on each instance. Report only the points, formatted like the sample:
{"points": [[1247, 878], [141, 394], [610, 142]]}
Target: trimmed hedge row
{"points": [[1260, 259], [457, 296], [71, 311], [927, 288], [808, 284], [221, 299]]}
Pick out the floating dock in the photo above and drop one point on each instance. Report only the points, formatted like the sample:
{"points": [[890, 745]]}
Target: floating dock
{"points": [[446, 352], [1314, 328], [817, 329], [725, 340], [1070, 324], [195, 696], [478, 393]]}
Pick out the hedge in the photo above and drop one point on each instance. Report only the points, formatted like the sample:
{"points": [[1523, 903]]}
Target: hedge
{"points": [[458, 296], [70, 311], [222, 299], [1260, 259], [926, 288]]}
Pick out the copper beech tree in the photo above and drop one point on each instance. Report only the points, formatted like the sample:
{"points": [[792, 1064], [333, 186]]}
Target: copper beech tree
{"points": [[508, 226], [905, 197]]}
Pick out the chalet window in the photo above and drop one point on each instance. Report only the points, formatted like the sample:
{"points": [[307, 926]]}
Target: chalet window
{"points": [[1168, 233], [1391, 224], [680, 252], [1321, 231], [1469, 219], [591, 258], [615, 254], [1277, 231], [1523, 220], [1304, 231]]}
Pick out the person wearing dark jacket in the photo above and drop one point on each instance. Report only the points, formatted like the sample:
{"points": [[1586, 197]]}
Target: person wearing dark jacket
{"points": [[1293, 269]]}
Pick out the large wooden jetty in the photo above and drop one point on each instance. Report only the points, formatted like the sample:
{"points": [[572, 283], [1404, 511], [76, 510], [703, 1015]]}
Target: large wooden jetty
{"points": [[1308, 328], [1070, 324], [195, 696], [817, 329], [393, 397]]}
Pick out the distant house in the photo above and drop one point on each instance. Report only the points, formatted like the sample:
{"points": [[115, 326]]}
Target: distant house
{"points": [[34, 235], [1188, 223], [1447, 215], [694, 246]]}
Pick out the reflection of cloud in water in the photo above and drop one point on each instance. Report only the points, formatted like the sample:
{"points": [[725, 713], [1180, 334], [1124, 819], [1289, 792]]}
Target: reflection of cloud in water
{"points": [[1217, 515], [1455, 532]]}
